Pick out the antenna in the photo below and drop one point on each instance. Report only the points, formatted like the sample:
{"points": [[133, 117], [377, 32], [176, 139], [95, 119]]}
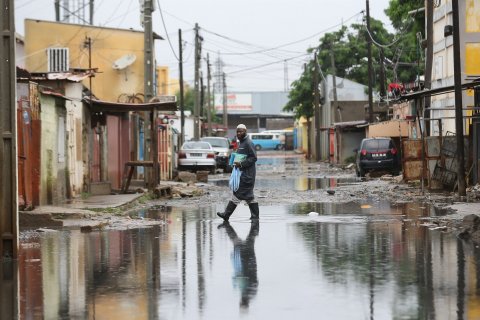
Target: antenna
{"points": [[124, 61]]}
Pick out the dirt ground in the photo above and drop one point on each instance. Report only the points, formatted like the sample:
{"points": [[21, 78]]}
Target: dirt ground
{"points": [[347, 188]]}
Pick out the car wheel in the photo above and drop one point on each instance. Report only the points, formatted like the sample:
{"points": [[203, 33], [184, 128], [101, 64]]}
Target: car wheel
{"points": [[228, 169], [258, 147], [213, 169]]}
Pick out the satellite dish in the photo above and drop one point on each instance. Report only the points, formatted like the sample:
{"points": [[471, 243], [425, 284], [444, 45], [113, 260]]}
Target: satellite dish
{"points": [[124, 61]]}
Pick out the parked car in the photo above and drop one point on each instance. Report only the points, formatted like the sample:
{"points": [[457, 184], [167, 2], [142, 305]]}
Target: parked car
{"points": [[221, 146], [267, 141], [197, 155], [377, 154]]}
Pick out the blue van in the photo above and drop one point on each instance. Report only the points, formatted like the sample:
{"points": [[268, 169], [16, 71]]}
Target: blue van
{"points": [[267, 141]]}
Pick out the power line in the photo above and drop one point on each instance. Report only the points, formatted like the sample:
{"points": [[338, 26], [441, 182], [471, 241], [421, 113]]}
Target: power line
{"points": [[166, 32]]}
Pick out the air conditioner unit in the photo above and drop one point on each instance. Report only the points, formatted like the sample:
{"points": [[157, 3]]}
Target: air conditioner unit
{"points": [[58, 59]]}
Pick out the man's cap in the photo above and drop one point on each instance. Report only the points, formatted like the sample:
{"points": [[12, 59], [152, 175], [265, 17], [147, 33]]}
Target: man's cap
{"points": [[241, 126]]}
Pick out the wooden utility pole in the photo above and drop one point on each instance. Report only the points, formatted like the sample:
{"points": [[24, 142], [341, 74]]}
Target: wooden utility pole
{"points": [[8, 126], [209, 99], [383, 91], [196, 106], [457, 77], [316, 103], [182, 107], [370, 67], [225, 102]]}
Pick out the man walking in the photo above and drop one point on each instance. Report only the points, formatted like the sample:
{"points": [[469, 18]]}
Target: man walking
{"points": [[247, 178]]}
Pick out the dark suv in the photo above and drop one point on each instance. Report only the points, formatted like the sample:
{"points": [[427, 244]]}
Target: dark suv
{"points": [[377, 154]]}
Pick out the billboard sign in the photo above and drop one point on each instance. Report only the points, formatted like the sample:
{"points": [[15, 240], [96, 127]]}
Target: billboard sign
{"points": [[235, 102]]}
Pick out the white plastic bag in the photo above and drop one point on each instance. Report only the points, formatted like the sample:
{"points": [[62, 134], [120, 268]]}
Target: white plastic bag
{"points": [[234, 182]]}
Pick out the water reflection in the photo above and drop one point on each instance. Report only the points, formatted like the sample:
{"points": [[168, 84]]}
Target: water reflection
{"points": [[244, 262], [301, 183], [385, 267]]}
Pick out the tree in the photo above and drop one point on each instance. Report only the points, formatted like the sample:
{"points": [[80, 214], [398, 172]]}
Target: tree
{"points": [[407, 26], [188, 98]]}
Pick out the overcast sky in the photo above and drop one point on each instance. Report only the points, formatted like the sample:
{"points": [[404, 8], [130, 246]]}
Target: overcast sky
{"points": [[242, 32]]}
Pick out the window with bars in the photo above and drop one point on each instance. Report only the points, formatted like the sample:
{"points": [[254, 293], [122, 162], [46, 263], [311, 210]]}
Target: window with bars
{"points": [[58, 59]]}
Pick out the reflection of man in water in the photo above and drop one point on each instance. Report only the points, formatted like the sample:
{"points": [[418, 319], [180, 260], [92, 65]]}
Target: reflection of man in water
{"points": [[244, 262]]}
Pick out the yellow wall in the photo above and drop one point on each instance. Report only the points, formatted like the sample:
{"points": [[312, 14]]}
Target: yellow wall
{"points": [[108, 45]]}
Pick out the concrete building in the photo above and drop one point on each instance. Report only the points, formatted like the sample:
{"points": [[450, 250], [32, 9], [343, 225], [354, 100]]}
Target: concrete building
{"points": [[351, 98], [259, 111], [442, 73]]}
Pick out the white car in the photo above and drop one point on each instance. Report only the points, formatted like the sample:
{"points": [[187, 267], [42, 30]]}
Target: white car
{"points": [[197, 155]]}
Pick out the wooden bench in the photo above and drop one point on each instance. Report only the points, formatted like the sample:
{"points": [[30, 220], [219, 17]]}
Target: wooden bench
{"points": [[128, 172]]}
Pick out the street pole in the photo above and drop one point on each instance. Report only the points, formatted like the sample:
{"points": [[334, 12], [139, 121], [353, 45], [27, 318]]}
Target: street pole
{"points": [[334, 83], [182, 107], [457, 77], [370, 67], [196, 106], [92, 6], [225, 107], [209, 99], [148, 51], [9, 283], [8, 126], [316, 102]]}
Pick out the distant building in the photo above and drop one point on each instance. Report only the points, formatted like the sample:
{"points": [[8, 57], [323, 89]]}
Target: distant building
{"points": [[259, 111], [350, 106]]}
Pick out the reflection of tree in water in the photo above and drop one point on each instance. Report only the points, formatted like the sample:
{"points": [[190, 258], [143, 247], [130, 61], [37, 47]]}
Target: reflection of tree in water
{"points": [[376, 254], [244, 262]]}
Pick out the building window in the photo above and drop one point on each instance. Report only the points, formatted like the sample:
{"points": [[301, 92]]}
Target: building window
{"points": [[58, 59]]}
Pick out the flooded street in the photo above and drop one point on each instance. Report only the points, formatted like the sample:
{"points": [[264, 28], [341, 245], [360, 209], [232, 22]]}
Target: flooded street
{"points": [[363, 259], [346, 262]]}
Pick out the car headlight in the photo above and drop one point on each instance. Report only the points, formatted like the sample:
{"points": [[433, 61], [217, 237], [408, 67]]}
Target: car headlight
{"points": [[223, 154]]}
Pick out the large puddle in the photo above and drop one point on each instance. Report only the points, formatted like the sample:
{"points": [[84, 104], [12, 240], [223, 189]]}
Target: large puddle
{"points": [[301, 183], [333, 261]]}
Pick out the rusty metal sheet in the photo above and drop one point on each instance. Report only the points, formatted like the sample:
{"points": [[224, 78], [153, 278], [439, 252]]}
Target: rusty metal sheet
{"points": [[432, 147], [412, 170], [411, 149]]}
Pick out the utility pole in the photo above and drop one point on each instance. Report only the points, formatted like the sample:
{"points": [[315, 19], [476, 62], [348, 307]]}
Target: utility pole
{"points": [[182, 107], [316, 102], [196, 106], [92, 6], [370, 67], [383, 92], [457, 77], [209, 99], [148, 50], [8, 151], [285, 76], [334, 83], [309, 126], [225, 103], [202, 103], [9, 282], [428, 60]]}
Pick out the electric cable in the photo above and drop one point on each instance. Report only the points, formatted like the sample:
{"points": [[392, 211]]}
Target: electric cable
{"points": [[166, 32]]}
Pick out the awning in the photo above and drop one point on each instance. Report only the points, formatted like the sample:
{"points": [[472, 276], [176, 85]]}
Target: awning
{"points": [[350, 124], [54, 94], [118, 107]]}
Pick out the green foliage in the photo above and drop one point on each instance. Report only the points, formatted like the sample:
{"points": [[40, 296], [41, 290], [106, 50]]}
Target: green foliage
{"points": [[188, 98], [300, 97], [349, 46]]}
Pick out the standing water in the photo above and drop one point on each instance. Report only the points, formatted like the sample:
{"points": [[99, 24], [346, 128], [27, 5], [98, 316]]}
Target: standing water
{"points": [[333, 261]]}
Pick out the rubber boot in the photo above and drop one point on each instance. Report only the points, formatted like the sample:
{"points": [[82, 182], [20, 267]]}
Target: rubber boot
{"points": [[254, 211], [228, 211]]}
